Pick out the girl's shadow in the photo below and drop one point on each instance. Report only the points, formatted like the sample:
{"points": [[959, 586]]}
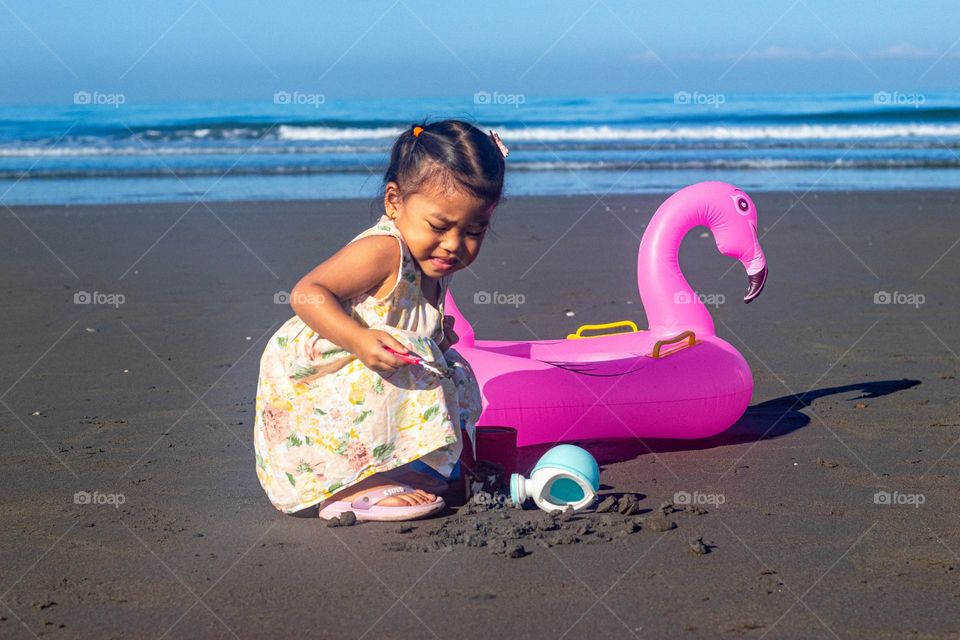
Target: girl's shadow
{"points": [[770, 419]]}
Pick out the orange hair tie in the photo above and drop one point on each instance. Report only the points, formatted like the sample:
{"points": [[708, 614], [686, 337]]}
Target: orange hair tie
{"points": [[416, 131]]}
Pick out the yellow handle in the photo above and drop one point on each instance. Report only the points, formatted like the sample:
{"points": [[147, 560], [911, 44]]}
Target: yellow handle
{"points": [[688, 335], [609, 325]]}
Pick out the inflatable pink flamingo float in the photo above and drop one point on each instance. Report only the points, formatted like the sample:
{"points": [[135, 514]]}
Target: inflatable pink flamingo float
{"points": [[677, 379]]}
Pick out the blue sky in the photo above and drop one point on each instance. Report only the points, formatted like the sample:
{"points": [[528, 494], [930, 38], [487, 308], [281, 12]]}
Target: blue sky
{"points": [[243, 50]]}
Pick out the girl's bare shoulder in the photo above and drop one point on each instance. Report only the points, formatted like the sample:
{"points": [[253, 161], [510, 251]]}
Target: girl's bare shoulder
{"points": [[377, 246], [365, 265], [382, 253]]}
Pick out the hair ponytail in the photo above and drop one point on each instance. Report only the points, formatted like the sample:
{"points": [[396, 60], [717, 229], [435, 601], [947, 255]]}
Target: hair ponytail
{"points": [[447, 155]]}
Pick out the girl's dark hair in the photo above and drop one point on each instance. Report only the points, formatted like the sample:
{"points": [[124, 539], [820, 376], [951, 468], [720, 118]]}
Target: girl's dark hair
{"points": [[447, 155]]}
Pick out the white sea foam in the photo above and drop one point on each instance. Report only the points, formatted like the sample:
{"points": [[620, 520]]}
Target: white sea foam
{"points": [[587, 133], [290, 132], [67, 151]]}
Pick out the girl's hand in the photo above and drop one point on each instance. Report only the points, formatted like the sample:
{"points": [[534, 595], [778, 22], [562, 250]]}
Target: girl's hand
{"points": [[369, 349], [450, 337]]}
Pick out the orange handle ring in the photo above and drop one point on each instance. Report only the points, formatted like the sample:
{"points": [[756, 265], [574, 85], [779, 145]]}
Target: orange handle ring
{"points": [[686, 335]]}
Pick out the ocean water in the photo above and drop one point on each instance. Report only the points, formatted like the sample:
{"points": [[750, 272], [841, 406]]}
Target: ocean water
{"points": [[309, 146]]}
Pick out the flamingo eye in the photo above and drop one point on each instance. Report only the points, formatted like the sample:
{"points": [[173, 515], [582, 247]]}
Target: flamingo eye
{"points": [[743, 206]]}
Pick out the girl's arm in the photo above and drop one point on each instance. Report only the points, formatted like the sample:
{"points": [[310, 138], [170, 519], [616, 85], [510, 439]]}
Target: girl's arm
{"points": [[359, 267]]}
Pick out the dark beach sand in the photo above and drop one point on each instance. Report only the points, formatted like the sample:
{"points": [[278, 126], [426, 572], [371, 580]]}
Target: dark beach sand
{"points": [[851, 398]]}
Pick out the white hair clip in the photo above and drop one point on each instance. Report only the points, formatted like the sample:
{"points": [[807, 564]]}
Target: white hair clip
{"points": [[499, 143]]}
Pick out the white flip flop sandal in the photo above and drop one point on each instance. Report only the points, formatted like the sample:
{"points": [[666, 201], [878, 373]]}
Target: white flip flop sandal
{"points": [[365, 506]]}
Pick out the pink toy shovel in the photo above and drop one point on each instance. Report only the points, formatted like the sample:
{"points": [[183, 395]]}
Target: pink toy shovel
{"points": [[443, 372]]}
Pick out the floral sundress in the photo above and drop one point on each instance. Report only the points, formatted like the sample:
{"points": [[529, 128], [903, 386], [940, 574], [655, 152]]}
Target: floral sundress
{"points": [[325, 421]]}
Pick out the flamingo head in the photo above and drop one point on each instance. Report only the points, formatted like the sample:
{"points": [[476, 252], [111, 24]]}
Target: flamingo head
{"points": [[735, 232]]}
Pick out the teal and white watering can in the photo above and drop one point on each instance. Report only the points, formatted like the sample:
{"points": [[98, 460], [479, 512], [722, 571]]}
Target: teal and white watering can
{"points": [[565, 476]]}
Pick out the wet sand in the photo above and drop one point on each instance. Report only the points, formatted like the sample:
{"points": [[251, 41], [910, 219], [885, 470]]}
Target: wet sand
{"points": [[147, 407]]}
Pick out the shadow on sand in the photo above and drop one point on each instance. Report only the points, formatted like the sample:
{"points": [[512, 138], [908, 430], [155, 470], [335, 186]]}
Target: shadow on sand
{"points": [[770, 419]]}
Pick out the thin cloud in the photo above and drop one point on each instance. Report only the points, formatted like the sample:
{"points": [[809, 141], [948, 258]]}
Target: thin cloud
{"points": [[898, 51], [904, 50]]}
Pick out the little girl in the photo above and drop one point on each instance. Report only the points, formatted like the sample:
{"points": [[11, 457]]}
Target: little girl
{"points": [[342, 423]]}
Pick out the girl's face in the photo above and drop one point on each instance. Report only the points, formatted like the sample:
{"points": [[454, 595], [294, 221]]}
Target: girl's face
{"points": [[443, 231]]}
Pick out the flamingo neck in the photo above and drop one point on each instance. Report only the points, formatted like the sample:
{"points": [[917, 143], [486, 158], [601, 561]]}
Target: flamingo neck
{"points": [[670, 302]]}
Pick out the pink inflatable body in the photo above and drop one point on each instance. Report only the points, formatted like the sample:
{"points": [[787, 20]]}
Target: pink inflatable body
{"points": [[675, 380]]}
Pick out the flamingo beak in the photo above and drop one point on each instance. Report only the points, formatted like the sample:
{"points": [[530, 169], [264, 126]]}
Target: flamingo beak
{"points": [[756, 281], [756, 268]]}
